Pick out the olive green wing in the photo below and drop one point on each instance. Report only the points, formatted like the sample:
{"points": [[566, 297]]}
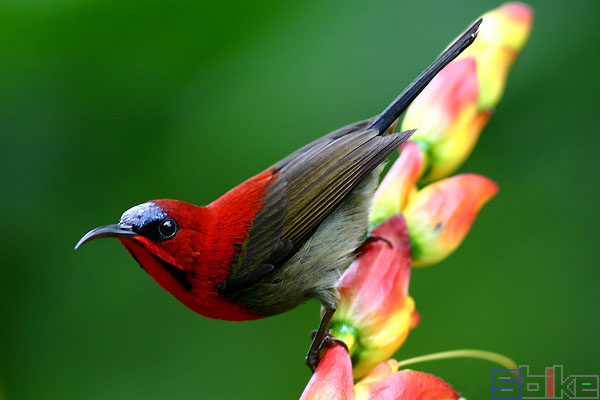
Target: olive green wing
{"points": [[308, 185]]}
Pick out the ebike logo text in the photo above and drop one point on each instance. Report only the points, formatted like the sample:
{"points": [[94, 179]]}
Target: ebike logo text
{"points": [[522, 384]]}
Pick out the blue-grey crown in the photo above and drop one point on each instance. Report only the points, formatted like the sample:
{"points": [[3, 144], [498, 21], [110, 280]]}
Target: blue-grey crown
{"points": [[141, 215]]}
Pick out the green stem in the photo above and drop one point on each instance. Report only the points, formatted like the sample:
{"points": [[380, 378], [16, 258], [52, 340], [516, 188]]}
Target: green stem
{"points": [[463, 353]]}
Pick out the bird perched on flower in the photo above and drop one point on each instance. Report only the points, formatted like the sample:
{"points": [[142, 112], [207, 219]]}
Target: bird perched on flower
{"points": [[281, 237]]}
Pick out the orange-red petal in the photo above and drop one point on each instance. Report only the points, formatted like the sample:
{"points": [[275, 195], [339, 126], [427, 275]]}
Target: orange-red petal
{"points": [[406, 385], [392, 193], [440, 215], [374, 311], [332, 379]]}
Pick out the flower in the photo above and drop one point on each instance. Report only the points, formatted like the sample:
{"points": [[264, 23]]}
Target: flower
{"points": [[375, 313], [386, 382], [394, 189], [502, 36], [447, 118], [453, 109], [440, 215], [333, 380]]}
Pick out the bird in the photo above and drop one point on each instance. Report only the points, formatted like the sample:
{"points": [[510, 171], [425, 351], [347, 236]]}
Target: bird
{"points": [[283, 236]]}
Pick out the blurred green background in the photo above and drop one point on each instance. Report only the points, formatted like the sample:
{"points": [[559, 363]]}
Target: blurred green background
{"points": [[105, 105]]}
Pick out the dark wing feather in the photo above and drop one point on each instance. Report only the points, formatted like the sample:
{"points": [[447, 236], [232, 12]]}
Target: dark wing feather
{"points": [[354, 127], [309, 185], [320, 179]]}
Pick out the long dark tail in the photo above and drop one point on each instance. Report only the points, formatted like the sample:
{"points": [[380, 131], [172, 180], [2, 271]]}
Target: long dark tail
{"points": [[393, 111]]}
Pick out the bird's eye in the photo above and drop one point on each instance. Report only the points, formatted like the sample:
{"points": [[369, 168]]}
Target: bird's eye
{"points": [[167, 229]]}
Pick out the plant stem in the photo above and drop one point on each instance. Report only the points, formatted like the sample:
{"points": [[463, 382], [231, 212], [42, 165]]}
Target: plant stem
{"points": [[463, 353]]}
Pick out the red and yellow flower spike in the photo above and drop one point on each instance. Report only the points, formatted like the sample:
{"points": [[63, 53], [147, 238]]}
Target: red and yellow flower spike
{"points": [[453, 109], [375, 312], [440, 215]]}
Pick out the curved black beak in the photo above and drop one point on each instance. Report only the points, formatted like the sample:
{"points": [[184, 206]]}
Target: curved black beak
{"points": [[106, 231]]}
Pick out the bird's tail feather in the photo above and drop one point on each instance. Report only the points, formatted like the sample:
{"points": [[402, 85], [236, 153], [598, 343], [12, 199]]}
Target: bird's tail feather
{"points": [[397, 107]]}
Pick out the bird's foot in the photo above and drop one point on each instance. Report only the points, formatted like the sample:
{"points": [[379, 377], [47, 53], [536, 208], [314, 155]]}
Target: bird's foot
{"points": [[370, 239], [315, 354]]}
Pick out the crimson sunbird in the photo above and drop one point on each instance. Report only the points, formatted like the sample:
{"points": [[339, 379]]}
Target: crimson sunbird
{"points": [[283, 236]]}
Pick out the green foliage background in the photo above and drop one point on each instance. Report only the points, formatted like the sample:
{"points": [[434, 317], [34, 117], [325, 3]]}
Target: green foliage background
{"points": [[104, 105]]}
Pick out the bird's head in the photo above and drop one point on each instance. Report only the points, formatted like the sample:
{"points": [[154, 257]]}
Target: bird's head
{"points": [[162, 235]]}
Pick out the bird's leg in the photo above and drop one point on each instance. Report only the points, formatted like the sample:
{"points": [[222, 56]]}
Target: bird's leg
{"points": [[321, 340], [369, 239]]}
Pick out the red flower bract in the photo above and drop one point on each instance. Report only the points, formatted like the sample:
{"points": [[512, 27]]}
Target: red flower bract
{"points": [[403, 385], [332, 379], [391, 195], [440, 215], [375, 313]]}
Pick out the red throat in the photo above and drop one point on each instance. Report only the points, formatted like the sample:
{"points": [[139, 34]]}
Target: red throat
{"points": [[207, 303]]}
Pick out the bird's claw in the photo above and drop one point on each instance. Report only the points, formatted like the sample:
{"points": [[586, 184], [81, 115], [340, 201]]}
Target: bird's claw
{"points": [[370, 239], [313, 357]]}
